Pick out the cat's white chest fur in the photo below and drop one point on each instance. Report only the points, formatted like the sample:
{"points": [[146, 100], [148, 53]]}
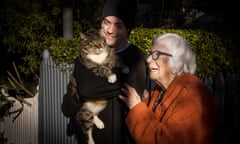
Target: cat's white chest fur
{"points": [[98, 58]]}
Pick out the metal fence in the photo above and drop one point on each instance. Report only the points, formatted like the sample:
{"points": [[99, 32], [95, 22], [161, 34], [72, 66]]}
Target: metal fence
{"points": [[53, 85], [24, 129], [44, 123]]}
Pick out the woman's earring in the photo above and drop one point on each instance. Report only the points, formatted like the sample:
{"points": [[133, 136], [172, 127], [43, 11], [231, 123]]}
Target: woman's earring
{"points": [[174, 73]]}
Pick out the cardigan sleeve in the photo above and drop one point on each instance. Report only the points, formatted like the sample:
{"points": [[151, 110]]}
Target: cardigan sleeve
{"points": [[179, 121], [146, 127]]}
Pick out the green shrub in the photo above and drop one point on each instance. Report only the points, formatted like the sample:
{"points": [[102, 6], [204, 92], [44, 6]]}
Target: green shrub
{"points": [[212, 52]]}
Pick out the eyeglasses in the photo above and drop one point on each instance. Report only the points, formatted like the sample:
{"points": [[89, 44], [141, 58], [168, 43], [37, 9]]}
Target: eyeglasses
{"points": [[156, 54]]}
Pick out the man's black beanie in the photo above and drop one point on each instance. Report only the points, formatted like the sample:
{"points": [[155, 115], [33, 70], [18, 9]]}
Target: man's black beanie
{"points": [[123, 9]]}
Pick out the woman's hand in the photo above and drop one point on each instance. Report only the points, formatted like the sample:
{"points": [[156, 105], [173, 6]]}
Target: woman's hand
{"points": [[131, 97]]}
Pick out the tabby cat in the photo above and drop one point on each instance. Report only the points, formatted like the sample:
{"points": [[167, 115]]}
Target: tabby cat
{"points": [[98, 57]]}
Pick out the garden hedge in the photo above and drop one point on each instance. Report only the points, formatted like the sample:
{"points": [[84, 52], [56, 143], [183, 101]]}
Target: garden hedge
{"points": [[214, 54]]}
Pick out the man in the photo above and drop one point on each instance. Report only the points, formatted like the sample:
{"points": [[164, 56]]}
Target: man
{"points": [[118, 17]]}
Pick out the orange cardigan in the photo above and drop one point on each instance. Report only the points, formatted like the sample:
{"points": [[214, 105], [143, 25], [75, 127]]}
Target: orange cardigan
{"points": [[187, 114]]}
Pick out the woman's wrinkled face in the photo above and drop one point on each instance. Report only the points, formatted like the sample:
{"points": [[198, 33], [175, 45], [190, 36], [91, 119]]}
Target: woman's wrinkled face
{"points": [[114, 31], [158, 66]]}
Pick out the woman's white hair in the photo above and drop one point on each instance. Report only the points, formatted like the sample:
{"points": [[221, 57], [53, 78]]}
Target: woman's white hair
{"points": [[183, 58]]}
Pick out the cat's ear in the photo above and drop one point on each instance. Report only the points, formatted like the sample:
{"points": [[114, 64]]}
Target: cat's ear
{"points": [[100, 33], [83, 36]]}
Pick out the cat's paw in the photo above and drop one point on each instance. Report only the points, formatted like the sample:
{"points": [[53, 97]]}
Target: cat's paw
{"points": [[112, 78], [99, 123]]}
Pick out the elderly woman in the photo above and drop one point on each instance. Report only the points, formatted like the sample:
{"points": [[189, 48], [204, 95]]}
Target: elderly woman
{"points": [[180, 109]]}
